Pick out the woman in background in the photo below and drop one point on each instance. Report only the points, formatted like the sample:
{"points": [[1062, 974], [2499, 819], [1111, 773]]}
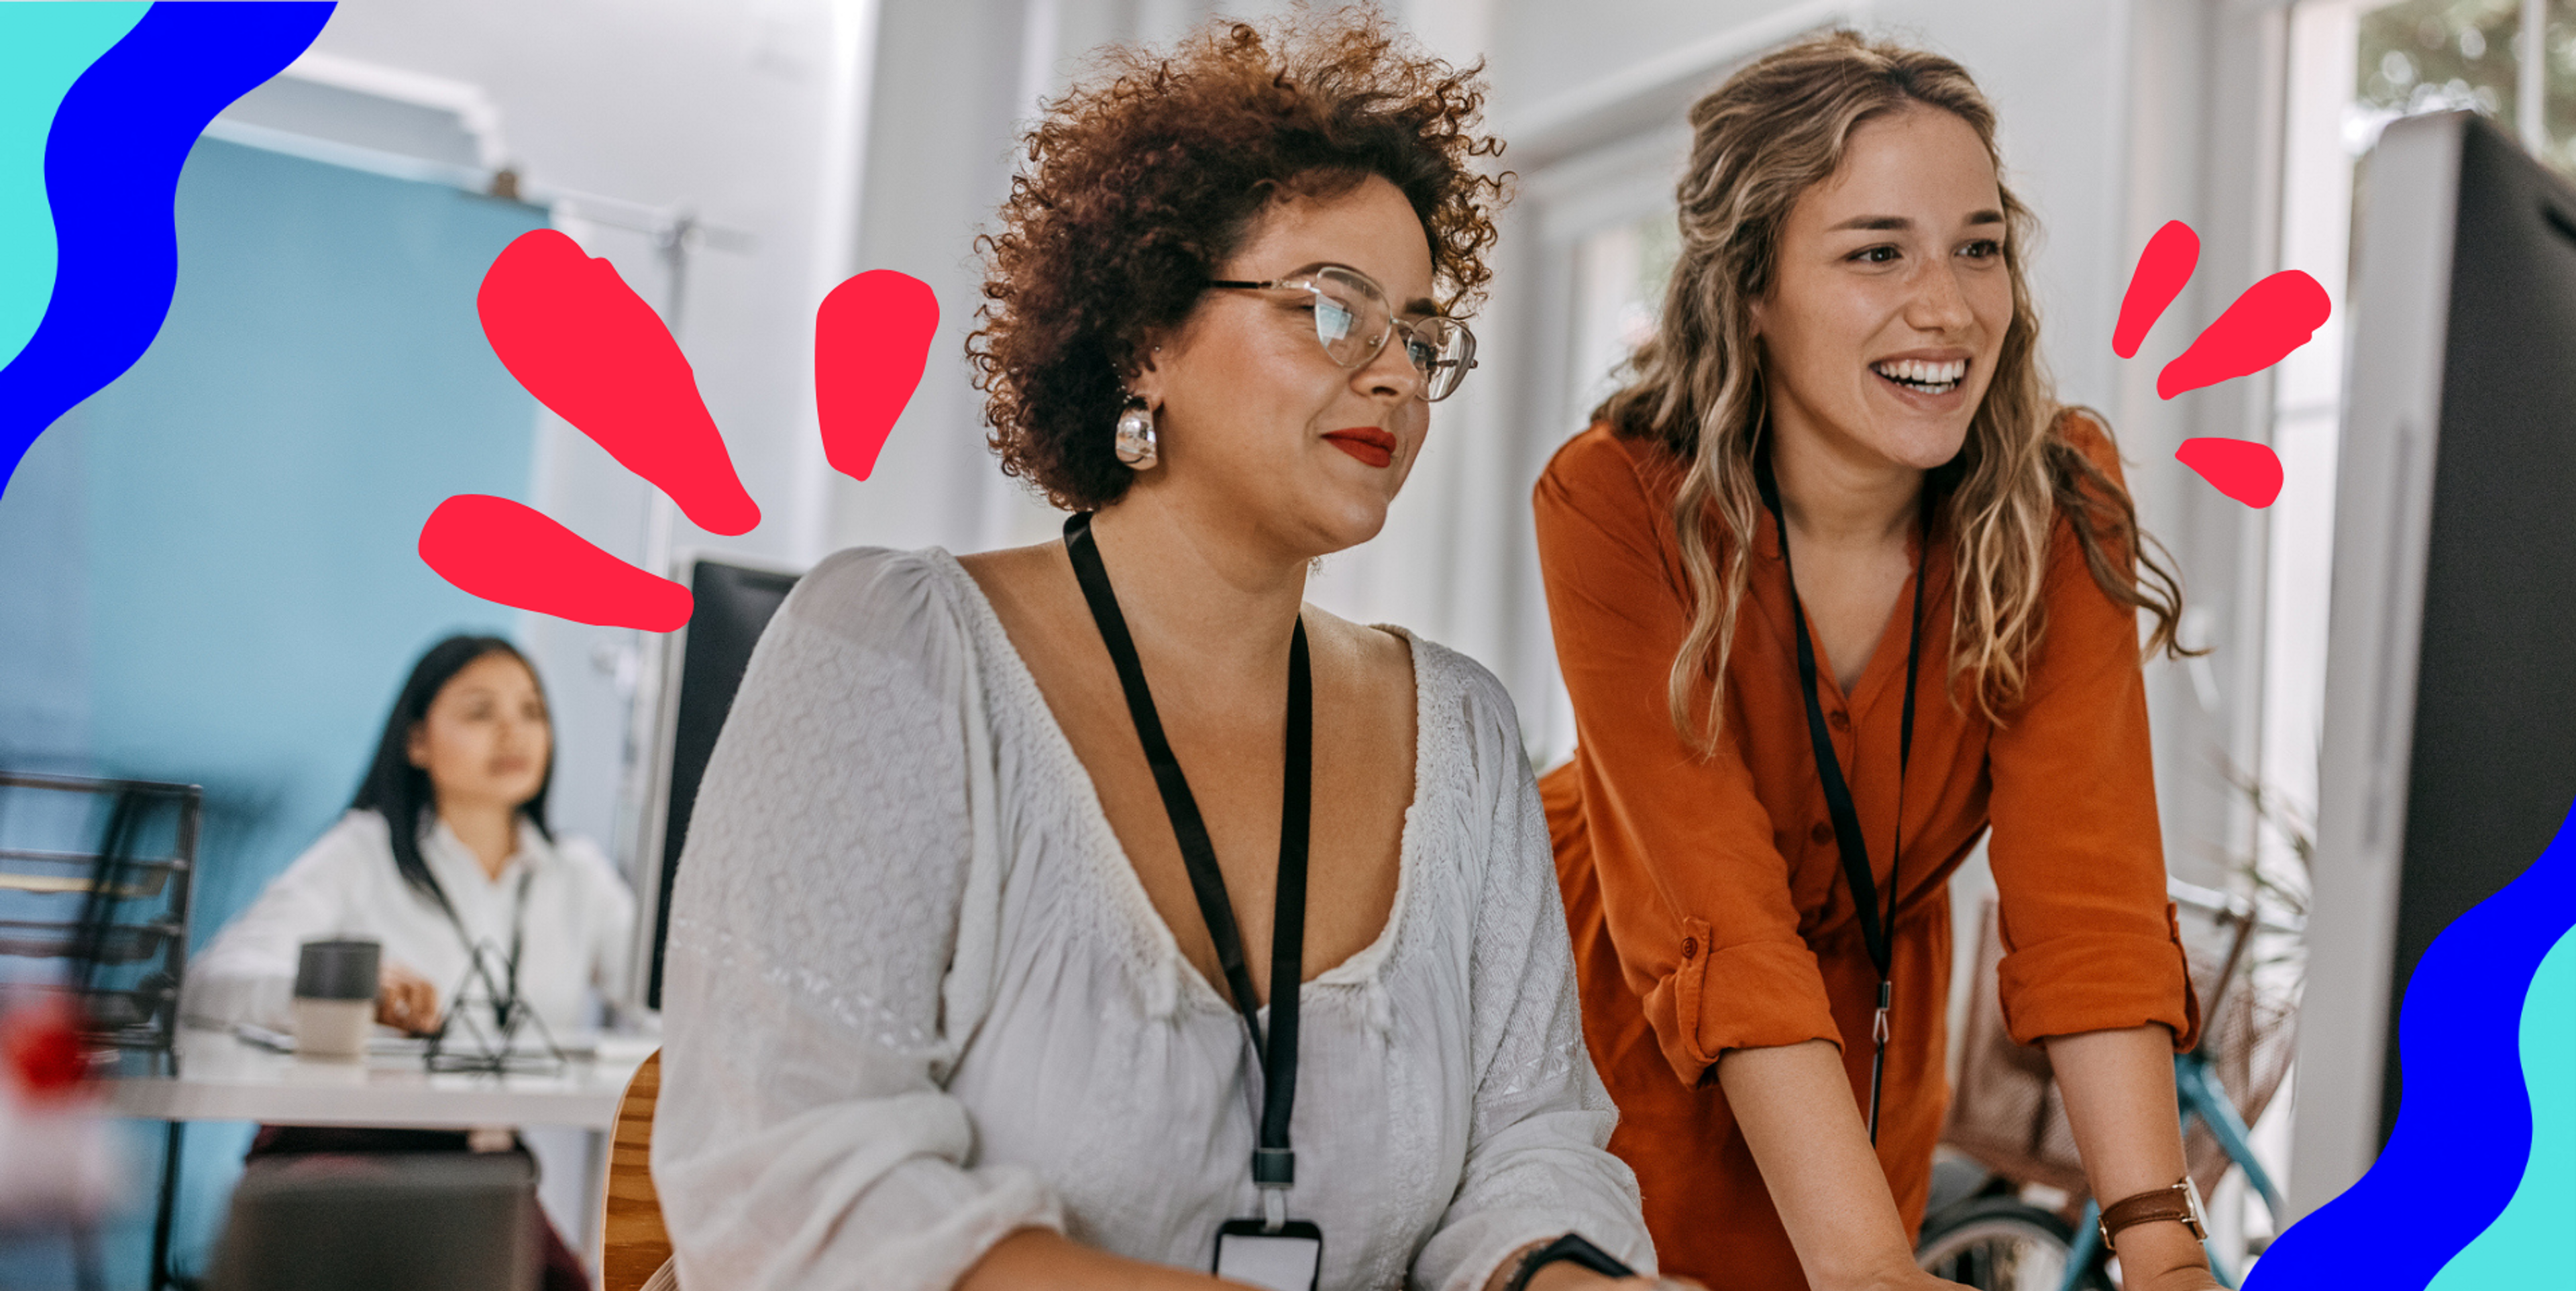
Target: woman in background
{"points": [[464, 763], [1756, 831], [443, 854]]}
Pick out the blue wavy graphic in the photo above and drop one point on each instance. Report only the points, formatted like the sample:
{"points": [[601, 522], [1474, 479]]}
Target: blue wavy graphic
{"points": [[111, 166], [2527, 1245], [2464, 1128]]}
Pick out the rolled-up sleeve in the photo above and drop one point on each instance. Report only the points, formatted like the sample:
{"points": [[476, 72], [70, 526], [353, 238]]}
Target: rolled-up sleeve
{"points": [[2090, 942], [824, 965], [1537, 1160], [1694, 890]]}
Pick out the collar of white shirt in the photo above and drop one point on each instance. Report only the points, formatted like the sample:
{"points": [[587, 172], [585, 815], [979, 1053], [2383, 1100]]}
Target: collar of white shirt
{"points": [[456, 866]]}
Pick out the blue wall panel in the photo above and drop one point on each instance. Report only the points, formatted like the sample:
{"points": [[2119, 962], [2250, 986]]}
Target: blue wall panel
{"points": [[207, 570]]}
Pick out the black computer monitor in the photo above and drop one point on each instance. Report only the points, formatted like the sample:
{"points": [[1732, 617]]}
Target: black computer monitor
{"points": [[702, 667], [2449, 752]]}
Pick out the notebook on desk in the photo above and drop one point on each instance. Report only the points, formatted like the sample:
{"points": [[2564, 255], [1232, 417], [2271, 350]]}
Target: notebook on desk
{"points": [[389, 1043]]}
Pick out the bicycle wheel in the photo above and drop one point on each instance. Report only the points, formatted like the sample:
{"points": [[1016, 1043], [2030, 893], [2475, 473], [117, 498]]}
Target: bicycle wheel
{"points": [[2001, 1244]]}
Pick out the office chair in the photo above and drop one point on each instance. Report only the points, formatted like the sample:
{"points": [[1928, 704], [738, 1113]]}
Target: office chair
{"points": [[635, 1249]]}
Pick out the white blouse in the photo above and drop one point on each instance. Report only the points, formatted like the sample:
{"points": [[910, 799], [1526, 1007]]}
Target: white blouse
{"points": [[916, 997], [579, 922]]}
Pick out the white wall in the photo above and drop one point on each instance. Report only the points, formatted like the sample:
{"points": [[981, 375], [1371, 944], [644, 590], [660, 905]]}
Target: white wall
{"points": [[1543, 49]]}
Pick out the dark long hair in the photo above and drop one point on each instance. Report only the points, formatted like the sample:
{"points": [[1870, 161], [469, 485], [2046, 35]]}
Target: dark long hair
{"points": [[399, 791]]}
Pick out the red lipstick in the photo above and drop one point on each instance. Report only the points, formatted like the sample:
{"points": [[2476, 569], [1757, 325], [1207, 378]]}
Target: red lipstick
{"points": [[1372, 446]]}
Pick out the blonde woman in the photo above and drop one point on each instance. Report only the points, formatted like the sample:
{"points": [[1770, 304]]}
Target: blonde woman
{"points": [[1778, 771]]}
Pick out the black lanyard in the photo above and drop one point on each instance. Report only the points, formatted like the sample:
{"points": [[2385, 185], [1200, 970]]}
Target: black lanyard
{"points": [[1876, 932], [1274, 1165], [505, 1006]]}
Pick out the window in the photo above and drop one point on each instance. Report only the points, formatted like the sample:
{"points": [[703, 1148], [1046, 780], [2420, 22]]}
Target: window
{"points": [[2439, 55], [2435, 55], [1620, 275]]}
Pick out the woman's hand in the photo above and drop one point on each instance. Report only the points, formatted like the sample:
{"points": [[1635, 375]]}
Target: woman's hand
{"points": [[1044, 1258], [1562, 1276], [1912, 1279], [2164, 1257], [2193, 1278], [405, 999], [1566, 1275]]}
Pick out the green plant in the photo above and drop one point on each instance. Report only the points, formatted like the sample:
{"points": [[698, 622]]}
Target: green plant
{"points": [[2280, 893]]}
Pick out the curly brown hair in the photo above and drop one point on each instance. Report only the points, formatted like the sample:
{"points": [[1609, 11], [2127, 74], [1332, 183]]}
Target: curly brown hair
{"points": [[1147, 175]]}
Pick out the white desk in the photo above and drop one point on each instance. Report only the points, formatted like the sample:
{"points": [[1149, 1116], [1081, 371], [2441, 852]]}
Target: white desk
{"points": [[223, 1078]]}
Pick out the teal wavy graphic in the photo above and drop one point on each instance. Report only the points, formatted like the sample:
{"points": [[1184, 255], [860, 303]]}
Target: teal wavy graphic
{"points": [[50, 43], [2527, 1245]]}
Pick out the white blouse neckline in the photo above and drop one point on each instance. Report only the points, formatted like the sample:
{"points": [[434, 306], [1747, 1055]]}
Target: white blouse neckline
{"points": [[1100, 840], [527, 850]]}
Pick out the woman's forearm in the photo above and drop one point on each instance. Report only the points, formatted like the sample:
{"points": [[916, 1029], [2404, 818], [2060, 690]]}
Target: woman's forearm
{"points": [[1042, 1259], [2120, 1102], [1795, 1105]]}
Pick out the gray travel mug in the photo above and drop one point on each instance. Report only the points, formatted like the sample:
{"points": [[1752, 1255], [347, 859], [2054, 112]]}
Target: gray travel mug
{"points": [[335, 998]]}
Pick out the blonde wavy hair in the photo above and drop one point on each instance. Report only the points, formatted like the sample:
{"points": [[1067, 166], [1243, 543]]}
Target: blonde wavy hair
{"points": [[1772, 131]]}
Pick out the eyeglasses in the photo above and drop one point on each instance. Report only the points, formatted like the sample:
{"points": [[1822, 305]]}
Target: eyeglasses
{"points": [[1353, 320]]}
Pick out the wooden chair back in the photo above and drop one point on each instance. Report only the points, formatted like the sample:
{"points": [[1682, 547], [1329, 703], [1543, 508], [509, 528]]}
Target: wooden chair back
{"points": [[633, 1243]]}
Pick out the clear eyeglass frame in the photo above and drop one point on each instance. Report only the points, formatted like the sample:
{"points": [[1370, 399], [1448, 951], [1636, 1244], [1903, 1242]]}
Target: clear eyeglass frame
{"points": [[1353, 321]]}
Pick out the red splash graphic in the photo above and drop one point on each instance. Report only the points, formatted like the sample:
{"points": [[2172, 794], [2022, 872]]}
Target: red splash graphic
{"points": [[871, 343], [2163, 268], [572, 333], [2273, 317], [568, 329], [502, 551], [2241, 469]]}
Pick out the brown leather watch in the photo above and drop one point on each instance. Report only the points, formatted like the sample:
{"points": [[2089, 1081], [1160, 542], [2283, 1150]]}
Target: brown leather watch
{"points": [[2180, 1202]]}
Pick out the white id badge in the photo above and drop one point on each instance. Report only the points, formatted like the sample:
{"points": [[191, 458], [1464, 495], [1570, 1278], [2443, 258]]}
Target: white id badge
{"points": [[1291, 1258]]}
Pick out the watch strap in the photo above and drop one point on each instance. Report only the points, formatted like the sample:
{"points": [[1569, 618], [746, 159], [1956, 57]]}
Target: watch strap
{"points": [[1571, 1248], [2179, 1203]]}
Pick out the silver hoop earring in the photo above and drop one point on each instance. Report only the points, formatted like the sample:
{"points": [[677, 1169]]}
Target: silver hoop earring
{"points": [[1135, 443]]}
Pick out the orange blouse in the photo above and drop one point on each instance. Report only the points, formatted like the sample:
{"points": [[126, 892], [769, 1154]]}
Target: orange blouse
{"points": [[1706, 896]]}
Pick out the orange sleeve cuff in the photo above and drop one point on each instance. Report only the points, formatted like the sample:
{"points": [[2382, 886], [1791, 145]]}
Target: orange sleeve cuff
{"points": [[1757, 995], [2093, 981]]}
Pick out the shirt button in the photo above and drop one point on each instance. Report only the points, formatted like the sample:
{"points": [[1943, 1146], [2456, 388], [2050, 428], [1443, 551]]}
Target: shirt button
{"points": [[1822, 833], [1690, 947], [1840, 719]]}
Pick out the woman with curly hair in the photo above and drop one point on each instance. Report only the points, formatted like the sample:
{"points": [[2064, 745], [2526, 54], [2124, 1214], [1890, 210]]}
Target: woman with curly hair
{"points": [[1838, 477], [1098, 914]]}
